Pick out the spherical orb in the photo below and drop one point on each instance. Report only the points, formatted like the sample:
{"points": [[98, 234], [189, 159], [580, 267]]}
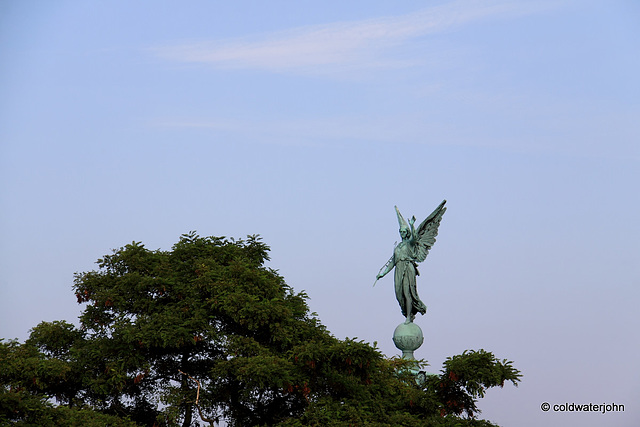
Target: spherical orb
{"points": [[408, 337]]}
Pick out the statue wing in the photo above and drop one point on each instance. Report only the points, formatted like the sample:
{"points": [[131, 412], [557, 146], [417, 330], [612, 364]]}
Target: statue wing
{"points": [[427, 232]]}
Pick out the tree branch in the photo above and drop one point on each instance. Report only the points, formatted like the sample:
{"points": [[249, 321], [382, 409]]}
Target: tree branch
{"points": [[208, 420]]}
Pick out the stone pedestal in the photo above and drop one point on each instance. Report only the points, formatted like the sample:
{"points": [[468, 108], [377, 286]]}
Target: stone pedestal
{"points": [[408, 338]]}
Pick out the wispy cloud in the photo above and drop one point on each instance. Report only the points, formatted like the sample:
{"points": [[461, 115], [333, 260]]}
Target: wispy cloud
{"points": [[356, 44], [552, 125], [319, 131]]}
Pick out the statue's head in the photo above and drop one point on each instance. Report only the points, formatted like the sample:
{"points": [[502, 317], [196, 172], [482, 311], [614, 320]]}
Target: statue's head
{"points": [[405, 233], [404, 227]]}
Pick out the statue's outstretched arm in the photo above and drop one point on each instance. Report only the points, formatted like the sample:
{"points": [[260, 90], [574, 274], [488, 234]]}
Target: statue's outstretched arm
{"points": [[414, 236], [387, 267]]}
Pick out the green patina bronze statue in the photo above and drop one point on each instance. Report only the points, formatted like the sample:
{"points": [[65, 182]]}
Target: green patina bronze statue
{"points": [[413, 249]]}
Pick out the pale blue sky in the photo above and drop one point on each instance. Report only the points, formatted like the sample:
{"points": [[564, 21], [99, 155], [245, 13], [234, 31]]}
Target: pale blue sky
{"points": [[306, 122]]}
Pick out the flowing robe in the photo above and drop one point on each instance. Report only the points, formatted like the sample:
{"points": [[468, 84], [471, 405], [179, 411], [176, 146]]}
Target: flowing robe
{"points": [[405, 274]]}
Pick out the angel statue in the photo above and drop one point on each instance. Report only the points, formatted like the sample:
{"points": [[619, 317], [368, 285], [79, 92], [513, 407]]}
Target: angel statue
{"points": [[413, 249]]}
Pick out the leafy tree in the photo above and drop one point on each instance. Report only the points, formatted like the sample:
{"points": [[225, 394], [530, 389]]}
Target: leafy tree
{"points": [[466, 377], [206, 332], [29, 378]]}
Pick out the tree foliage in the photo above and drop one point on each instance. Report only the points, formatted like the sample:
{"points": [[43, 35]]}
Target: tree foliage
{"points": [[206, 333]]}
